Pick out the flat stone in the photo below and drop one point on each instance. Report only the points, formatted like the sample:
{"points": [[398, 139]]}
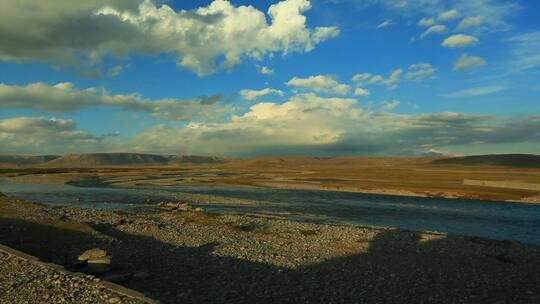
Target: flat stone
{"points": [[94, 253]]}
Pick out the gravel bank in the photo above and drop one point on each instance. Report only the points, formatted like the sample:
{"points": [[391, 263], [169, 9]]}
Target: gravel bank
{"points": [[198, 257], [22, 281]]}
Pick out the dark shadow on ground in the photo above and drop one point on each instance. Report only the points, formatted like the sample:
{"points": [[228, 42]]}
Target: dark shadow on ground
{"points": [[399, 267]]}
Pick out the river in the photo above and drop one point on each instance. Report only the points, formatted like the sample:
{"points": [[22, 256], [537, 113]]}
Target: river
{"points": [[495, 220]]}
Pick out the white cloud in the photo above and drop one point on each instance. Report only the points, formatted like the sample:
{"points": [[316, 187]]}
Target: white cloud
{"points": [[497, 13], [426, 22], [359, 91], [361, 77], [264, 70], [386, 23], [417, 72], [473, 92], [394, 77], [304, 120], [470, 22], [466, 62], [83, 32], [254, 94], [436, 29], [525, 50], [65, 97], [46, 135], [320, 83], [309, 124], [448, 15], [420, 71], [389, 105], [369, 79], [115, 71], [459, 41]]}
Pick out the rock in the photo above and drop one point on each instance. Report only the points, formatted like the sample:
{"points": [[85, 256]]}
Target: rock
{"points": [[91, 254], [114, 300], [183, 206], [199, 210], [2, 194]]}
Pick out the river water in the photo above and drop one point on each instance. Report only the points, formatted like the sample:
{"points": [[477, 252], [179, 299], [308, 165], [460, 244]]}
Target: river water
{"points": [[496, 220]]}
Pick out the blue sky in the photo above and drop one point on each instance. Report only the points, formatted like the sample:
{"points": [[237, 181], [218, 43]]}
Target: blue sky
{"points": [[244, 78]]}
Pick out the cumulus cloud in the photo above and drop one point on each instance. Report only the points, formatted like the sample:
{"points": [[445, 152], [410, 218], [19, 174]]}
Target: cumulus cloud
{"points": [[254, 94], [467, 62], [361, 77], [478, 91], [459, 41], [416, 72], [46, 135], [359, 91], [470, 22], [426, 22], [65, 97], [82, 32], [264, 70], [369, 79], [497, 13], [320, 83], [420, 71], [436, 29], [448, 15], [115, 71], [389, 105], [386, 23], [309, 124]]}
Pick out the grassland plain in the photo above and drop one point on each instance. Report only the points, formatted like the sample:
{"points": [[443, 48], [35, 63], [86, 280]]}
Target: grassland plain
{"points": [[411, 176]]}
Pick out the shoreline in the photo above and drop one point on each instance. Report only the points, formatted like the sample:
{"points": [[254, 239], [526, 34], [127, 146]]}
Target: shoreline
{"points": [[93, 182]]}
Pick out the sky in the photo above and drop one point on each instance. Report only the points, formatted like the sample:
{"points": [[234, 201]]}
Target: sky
{"points": [[253, 78]]}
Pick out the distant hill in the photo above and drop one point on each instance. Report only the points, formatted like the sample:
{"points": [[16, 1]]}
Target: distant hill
{"points": [[507, 160], [25, 160], [193, 159], [91, 160], [107, 159]]}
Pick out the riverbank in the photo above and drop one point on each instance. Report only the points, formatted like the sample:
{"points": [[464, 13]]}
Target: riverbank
{"points": [[200, 257], [412, 177]]}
